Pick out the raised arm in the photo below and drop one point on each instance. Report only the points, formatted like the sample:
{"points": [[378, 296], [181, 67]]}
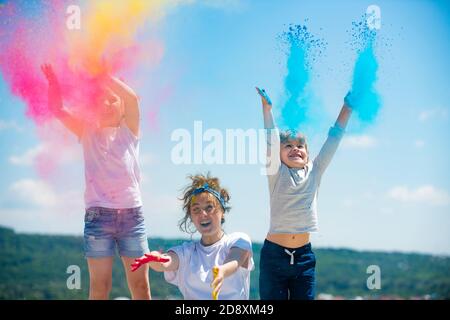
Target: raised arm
{"points": [[269, 123], [272, 135], [236, 258], [335, 134], [130, 100], [55, 103], [346, 112]]}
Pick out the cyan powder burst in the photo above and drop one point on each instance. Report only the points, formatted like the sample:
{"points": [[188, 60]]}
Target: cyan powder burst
{"points": [[365, 99], [302, 49]]}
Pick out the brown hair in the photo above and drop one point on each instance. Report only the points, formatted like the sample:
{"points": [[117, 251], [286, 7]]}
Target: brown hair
{"points": [[292, 135], [198, 181]]}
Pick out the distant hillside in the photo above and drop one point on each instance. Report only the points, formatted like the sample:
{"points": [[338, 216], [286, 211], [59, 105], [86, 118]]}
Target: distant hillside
{"points": [[34, 267]]}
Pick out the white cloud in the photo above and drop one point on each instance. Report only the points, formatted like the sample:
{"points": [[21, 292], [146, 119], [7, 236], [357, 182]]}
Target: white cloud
{"points": [[362, 141], [51, 210], [34, 192], [71, 154], [43, 220], [27, 158], [6, 125], [424, 194], [426, 115]]}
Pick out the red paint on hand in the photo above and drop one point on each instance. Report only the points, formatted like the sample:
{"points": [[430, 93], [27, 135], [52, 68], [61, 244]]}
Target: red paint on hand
{"points": [[148, 258]]}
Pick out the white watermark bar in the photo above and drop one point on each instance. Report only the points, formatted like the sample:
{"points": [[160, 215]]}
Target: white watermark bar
{"points": [[225, 147], [374, 280], [73, 19], [373, 17], [74, 280]]}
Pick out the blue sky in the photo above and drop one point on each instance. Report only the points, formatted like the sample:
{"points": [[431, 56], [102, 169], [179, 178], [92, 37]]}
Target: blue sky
{"points": [[388, 186]]}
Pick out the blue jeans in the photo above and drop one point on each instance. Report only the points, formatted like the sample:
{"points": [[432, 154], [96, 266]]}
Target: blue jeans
{"points": [[105, 228], [286, 276]]}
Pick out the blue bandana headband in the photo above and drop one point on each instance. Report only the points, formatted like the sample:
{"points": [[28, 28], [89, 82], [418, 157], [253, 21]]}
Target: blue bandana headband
{"points": [[207, 188]]}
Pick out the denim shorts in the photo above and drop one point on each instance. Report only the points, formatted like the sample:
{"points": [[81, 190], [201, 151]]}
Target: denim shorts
{"points": [[285, 274], [105, 228]]}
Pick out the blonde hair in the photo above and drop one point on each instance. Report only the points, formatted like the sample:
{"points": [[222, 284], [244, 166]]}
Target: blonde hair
{"points": [[198, 181]]}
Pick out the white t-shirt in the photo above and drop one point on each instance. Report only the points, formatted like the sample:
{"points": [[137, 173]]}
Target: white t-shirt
{"points": [[294, 191], [194, 275], [111, 167]]}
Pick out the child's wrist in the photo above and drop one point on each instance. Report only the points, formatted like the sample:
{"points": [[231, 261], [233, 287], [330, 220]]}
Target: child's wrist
{"points": [[348, 100]]}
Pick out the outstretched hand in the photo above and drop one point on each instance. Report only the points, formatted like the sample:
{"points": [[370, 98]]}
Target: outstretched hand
{"points": [[54, 92], [47, 70], [267, 103], [148, 257]]}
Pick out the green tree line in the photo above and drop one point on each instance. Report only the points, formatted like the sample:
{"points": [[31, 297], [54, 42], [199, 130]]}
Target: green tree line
{"points": [[34, 266]]}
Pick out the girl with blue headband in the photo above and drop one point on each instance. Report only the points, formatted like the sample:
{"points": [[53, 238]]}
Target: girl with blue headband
{"points": [[287, 264], [218, 263]]}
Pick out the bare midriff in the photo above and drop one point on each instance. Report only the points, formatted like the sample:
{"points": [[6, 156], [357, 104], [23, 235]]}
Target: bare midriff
{"points": [[291, 241]]}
